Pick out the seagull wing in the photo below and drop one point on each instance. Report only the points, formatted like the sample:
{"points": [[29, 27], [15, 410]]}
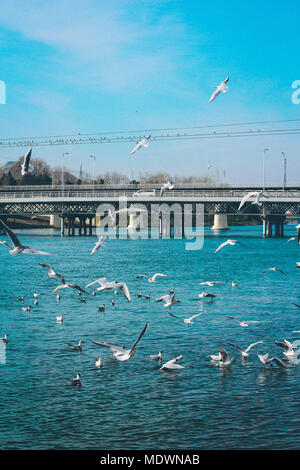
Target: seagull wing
{"points": [[175, 316], [245, 198], [164, 298], [27, 160], [234, 345], [194, 316], [35, 252], [101, 281], [221, 246], [279, 362], [252, 345], [3, 242], [282, 345], [114, 347], [10, 234], [124, 289], [214, 95], [158, 275], [75, 286], [140, 337]]}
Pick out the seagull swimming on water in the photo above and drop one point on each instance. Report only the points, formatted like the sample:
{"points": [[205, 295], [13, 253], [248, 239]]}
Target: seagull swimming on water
{"points": [[244, 352], [224, 360], [228, 242], [140, 144], [26, 167], [77, 347], [121, 353], [18, 247], [106, 285], [156, 357], [171, 365], [76, 381], [220, 88], [4, 339]]}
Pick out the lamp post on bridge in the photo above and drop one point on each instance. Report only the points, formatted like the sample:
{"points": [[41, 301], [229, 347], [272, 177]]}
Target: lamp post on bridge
{"points": [[62, 173], [264, 170], [94, 158], [284, 171]]}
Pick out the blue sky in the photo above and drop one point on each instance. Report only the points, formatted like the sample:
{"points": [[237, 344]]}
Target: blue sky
{"points": [[92, 66]]}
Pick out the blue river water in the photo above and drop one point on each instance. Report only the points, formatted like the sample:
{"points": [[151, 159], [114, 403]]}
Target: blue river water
{"points": [[133, 404]]}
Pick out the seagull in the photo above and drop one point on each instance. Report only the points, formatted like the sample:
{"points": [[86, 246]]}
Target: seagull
{"points": [[35, 294], [26, 168], [216, 357], [171, 365], [77, 347], [205, 295], [105, 285], [66, 285], [153, 278], [209, 283], [112, 303], [76, 381], [140, 144], [168, 299], [166, 186], [59, 319], [101, 308], [94, 293], [220, 88], [4, 339], [51, 272], [139, 295], [147, 296], [98, 244], [139, 276], [298, 264], [243, 322], [186, 320], [273, 269], [3, 242], [18, 247], [224, 360], [228, 242], [57, 297], [156, 357], [256, 194], [121, 353], [267, 360], [244, 352], [234, 284], [20, 299], [26, 309], [291, 239], [289, 349], [98, 362], [35, 302]]}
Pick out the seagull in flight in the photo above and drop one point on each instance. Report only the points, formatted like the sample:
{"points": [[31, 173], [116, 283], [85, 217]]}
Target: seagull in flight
{"points": [[172, 364], [51, 272], [153, 278], [26, 167], [169, 300], [289, 349], [228, 242], [206, 295], [291, 239], [18, 247], [267, 360], [256, 194], [105, 285], [140, 144], [189, 320], [220, 88], [243, 322], [121, 353], [244, 352], [273, 269], [98, 244], [66, 285], [165, 186], [224, 360], [209, 283]]}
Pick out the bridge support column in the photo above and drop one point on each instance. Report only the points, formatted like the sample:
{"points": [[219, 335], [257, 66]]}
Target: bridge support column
{"points": [[277, 221], [220, 222], [62, 226], [91, 225], [55, 220]]}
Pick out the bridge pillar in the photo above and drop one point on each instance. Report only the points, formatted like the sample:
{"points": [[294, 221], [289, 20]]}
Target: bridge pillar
{"points": [[62, 226], [55, 220], [277, 221], [220, 222]]}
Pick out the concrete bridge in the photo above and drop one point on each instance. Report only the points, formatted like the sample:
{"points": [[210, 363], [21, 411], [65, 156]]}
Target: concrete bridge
{"points": [[72, 204]]}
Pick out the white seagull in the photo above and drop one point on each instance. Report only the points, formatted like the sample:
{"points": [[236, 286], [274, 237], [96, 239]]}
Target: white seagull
{"points": [[220, 88], [121, 353], [51, 273], [165, 186], [228, 242], [26, 168], [4, 339], [140, 144], [243, 322], [18, 247], [209, 283], [205, 295], [77, 347], [153, 278], [267, 360], [244, 352], [291, 239], [189, 320], [289, 349], [98, 362], [156, 357], [66, 285], [256, 194], [169, 300], [224, 360], [273, 269], [76, 381], [98, 244], [59, 319], [171, 365], [106, 285]]}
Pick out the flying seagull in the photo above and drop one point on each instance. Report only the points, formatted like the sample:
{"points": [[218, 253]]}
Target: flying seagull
{"points": [[18, 247], [291, 239], [140, 144], [244, 352], [66, 285], [105, 285], [26, 168], [165, 186], [220, 88], [224, 360], [186, 320], [171, 365], [121, 353], [153, 278], [206, 295], [228, 242], [98, 244], [169, 300], [51, 272], [243, 322], [267, 360], [209, 283], [289, 349], [273, 269], [256, 194]]}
